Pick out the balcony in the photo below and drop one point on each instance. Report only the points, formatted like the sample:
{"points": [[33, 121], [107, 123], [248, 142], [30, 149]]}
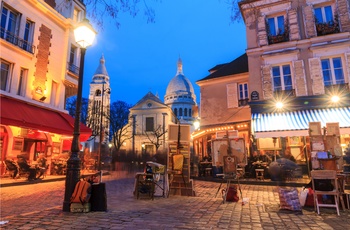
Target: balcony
{"points": [[243, 102], [15, 40], [73, 68], [325, 28], [278, 38]]}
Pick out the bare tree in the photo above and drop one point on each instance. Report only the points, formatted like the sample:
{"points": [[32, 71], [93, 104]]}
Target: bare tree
{"points": [[119, 126], [97, 10], [155, 136], [71, 104]]}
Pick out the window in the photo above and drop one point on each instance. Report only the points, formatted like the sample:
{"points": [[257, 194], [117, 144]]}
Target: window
{"points": [[276, 25], [175, 111], [22, 82], [149, 124], [282, 78], [5, 74], [76, 15], [28, 36], [9, 23], [325, 22], [243, 91], [324, 14], [332, 71], [73, 51], [190, 112], [180, 112], [54, 89], [185, 112], [98, 93]]}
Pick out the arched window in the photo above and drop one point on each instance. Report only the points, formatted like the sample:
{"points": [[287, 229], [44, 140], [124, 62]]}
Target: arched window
{"points": [[190, 113], [98, 93], [180, 112], [175, 111], [185, 112]]}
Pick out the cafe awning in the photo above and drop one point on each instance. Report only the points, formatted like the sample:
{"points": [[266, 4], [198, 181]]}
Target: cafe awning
{"points": [[25, 115], [296, 123]]}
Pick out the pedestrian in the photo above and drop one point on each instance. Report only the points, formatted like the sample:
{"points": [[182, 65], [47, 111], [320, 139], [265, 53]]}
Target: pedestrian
{"points": [[41, 165]]}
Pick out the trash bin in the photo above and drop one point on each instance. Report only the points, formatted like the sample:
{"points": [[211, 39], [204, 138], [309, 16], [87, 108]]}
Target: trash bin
{"points": [[98, 198]]}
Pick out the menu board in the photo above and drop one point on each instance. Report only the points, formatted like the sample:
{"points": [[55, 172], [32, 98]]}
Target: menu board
{"points": [[333, 129]]}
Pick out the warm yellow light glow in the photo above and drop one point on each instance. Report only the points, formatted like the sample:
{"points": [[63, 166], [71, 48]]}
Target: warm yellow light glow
{"points": [[110, 145], [279, 105], [335, 98], [196, 125], [84, 34]]}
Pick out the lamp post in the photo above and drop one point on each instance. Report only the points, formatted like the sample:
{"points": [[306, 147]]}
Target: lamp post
{"points": [[84, 35], [101, 126]]}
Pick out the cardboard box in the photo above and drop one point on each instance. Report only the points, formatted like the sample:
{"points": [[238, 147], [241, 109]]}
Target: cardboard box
{"points": [[78, 207]]}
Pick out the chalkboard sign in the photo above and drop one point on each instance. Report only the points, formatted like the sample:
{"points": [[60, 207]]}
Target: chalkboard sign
{"points": [[254, 96]]}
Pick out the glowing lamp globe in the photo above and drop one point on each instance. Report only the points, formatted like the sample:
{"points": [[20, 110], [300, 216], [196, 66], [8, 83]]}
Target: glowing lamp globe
{"points": [[84, 34]]}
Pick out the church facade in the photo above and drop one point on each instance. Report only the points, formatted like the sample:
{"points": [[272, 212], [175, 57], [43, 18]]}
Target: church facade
{"points": [[150, 117]]}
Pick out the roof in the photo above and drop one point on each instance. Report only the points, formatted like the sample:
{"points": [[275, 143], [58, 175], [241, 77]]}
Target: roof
{"points": [[101, 69], [237, 66], [149, 96]]}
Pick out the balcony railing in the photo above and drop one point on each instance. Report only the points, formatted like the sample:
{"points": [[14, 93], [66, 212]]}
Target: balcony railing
{"points": [[73, 68], [327, 28], [243, 102], [278, 38], [15, 40]]}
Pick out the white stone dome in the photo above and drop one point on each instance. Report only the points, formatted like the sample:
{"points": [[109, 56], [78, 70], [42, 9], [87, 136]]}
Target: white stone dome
{"points": [[180, 85]]}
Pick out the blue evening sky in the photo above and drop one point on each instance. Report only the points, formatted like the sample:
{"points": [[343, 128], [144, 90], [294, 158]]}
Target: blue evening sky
{"points": [[142, 57]]}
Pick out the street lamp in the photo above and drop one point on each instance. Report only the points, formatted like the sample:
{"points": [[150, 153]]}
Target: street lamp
{"points": [[84, 35], [101, 125]]}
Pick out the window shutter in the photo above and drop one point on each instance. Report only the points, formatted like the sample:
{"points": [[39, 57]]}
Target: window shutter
{"points": [[347, 65], [309, 22], [316, 76], [343, 13], [299, 76], [267, 82], [293, 26], [232, 101], [262, 33]]}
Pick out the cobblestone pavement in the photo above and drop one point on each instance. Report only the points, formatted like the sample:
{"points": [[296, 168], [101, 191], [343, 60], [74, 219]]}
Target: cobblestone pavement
{"points": [[38, 206]]}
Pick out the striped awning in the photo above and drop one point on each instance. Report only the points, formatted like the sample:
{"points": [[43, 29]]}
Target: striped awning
{"points": [[296, 123]]}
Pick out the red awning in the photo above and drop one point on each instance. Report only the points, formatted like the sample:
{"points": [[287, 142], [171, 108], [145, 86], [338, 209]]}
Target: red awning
{"points": [[22, 114]]}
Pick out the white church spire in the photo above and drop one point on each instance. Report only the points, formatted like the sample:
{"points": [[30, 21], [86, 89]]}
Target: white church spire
{"points": [[179, 67]]}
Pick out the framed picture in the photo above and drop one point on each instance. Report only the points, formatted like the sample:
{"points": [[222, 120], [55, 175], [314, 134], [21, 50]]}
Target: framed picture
{"points": [[294, 141], [270, 143], [333, 129], [315, 128], [18, 144]]}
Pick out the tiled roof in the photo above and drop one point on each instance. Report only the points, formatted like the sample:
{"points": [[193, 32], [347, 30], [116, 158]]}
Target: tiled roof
{"points": [[237, 66]]}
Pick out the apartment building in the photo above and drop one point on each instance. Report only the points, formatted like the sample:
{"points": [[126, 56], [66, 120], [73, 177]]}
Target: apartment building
{"points": [[299, 60], [39, 70]]}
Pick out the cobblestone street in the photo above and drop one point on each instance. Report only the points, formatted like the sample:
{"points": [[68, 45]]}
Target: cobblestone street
{"points": [[38, 206]]}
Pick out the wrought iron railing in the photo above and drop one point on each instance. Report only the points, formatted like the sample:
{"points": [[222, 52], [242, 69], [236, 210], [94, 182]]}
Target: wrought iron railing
{"points": [[17, 41], [243, 102], [73, 68]]}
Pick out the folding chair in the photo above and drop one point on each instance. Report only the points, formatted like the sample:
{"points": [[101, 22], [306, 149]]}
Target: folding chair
{"points": [[330, 175], [176, 169]]}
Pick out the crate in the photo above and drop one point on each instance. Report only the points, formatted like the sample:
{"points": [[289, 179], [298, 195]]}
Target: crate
{"points": [[78, 207]]}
